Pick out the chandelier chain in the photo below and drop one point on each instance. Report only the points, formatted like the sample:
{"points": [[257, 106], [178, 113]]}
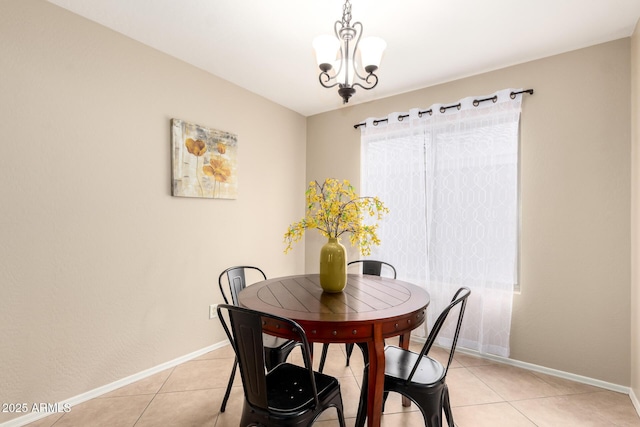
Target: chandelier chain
{"points": [[346, 14]]}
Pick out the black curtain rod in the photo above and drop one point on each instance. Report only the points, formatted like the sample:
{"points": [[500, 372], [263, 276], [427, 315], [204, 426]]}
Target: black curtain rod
{"points": [[476, 102]]}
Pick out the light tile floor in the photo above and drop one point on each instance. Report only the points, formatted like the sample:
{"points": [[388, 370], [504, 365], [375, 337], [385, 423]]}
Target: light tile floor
{"points": [[483, 393]]}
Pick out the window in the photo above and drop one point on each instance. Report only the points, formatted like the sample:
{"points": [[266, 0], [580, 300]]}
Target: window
{"points": [[450, 180]]}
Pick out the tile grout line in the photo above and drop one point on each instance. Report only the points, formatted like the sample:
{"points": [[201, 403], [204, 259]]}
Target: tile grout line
{"points": [[523, 414], [154, 396]]}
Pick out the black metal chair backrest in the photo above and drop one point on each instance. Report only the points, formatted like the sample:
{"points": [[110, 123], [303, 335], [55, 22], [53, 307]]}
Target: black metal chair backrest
{"points": [[459, 298], [246, 336], [373, 267], [236, 281]]}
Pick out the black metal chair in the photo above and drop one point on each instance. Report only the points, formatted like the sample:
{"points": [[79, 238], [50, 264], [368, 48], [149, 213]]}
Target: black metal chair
{"points": [[370, 267], [421, 378], [276, 349], [373, 267], [287, 395]]}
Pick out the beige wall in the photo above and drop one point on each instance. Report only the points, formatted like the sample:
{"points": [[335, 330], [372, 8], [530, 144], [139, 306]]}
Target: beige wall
{"points": [[635, 211], [573, 312], [102, 273]]}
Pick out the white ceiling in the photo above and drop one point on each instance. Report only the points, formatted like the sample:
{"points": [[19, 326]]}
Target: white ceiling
{"points": [[265, 45]]}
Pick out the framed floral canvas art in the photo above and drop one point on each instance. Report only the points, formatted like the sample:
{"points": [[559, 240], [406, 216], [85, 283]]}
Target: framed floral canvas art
{"points": [[204, 161]]}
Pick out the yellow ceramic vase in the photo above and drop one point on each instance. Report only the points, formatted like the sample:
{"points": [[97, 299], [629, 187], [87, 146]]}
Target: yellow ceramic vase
{"points": [[333, 266]]}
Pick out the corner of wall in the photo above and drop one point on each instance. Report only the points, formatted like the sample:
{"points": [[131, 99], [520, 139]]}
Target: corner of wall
{"points": [[635, 222]]}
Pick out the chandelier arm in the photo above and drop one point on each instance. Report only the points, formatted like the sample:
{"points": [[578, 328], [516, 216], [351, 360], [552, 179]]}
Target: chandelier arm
{"points": [[328, 78], [359, 32], [375, 83]]}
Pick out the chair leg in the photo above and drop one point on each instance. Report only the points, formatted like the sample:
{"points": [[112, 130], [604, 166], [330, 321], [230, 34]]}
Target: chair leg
{"points": [[385, 396], [228, 391], [349, 350], [361, 416], [341, 420], [446, 405], [323, 357]]}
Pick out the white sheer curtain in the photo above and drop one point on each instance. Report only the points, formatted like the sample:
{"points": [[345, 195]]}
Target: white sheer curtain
{"points": [[450, 180]]}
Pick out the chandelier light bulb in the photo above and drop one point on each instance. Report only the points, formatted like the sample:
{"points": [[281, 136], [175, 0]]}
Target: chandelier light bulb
{"points": [[326, 48], [371, 49]]}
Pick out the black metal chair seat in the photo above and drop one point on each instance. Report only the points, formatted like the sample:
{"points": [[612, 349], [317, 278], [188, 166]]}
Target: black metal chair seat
{"points": [[399, 363], [289, 391]]}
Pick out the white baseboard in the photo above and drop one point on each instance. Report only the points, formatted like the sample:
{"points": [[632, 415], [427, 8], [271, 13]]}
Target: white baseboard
{"points": [[634, 400], [29, 418], [544, 370], [549, 371], [553, 372]]}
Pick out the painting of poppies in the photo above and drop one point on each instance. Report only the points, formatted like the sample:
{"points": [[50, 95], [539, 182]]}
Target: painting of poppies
{"points": [[204, 161]]}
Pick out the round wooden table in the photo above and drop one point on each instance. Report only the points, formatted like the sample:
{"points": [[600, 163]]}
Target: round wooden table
{"points": [[370, 309]]}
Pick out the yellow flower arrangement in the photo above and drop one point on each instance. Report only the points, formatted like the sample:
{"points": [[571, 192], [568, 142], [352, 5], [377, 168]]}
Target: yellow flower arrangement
{"points": [[334, 208]]}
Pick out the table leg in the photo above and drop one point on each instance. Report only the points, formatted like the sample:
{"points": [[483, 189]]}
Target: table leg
{"points": [[376, 378], [404, 343]]}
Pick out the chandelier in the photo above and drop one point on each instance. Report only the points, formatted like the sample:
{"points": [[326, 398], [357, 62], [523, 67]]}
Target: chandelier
{"points": [[338, 56]]}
